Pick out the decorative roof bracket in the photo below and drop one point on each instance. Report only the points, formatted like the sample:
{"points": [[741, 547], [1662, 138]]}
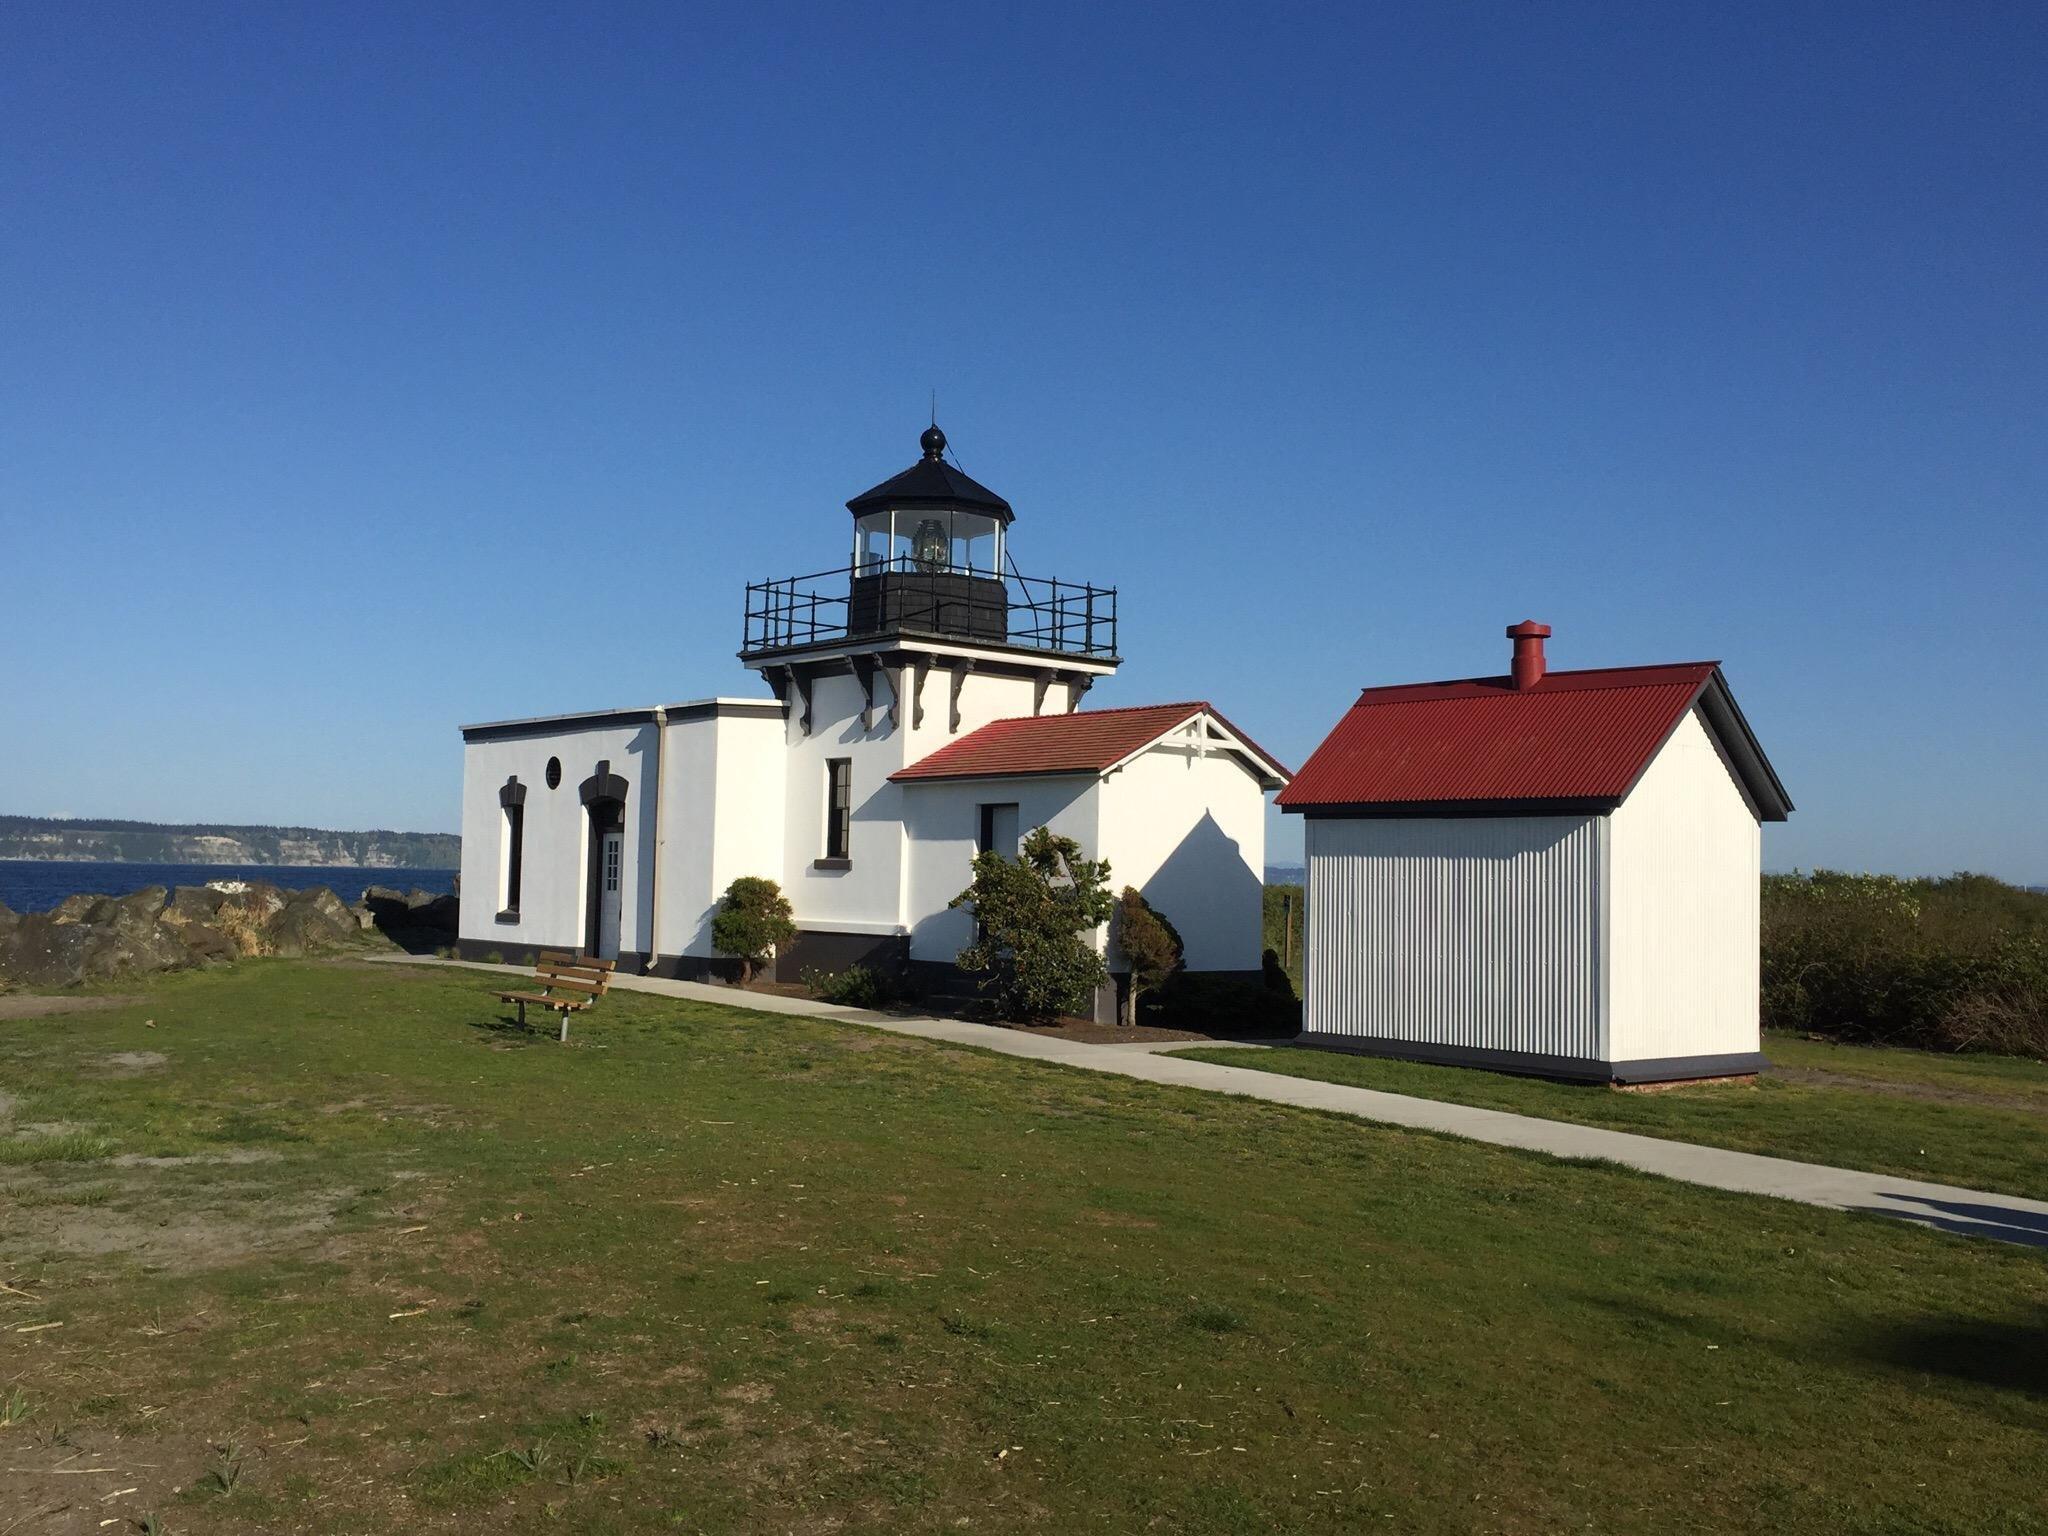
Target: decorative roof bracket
{"points": [[961, 667]]}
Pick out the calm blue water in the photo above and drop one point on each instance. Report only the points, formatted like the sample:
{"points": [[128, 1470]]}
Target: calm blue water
{"points": [[34, 885]]}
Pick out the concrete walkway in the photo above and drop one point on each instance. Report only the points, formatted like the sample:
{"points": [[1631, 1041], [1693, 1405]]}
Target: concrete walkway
{"points": [[2012, 1218]]}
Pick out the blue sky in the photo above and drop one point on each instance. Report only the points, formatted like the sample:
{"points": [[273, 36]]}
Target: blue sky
{"points": [[365, 370]]}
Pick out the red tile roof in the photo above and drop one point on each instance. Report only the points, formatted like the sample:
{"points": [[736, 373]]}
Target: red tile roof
{"points": [[1088, 741], [1577, 739]]}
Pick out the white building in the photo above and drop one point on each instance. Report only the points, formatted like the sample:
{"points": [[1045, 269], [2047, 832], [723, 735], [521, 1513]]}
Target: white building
{"points": [[924, 705], [1547, 872]]}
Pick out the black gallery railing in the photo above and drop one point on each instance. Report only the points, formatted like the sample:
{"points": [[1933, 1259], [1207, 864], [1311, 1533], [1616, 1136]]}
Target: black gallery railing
{"points": [[950, 602]]}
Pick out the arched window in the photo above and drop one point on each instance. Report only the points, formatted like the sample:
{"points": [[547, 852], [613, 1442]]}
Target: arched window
{"points": [[511, 845]]}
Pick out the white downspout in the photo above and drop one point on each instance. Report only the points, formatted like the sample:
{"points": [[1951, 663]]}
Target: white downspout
{"points": [[660, 839]]}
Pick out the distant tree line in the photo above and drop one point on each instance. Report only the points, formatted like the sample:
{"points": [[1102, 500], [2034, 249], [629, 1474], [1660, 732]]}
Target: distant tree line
{"points": [[147, 842]]}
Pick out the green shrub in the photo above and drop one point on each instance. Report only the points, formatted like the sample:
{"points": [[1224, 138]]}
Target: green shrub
{"points": [[754, 920], [1035, 916], [1956, 964], [1150, 946], [858, 986]]}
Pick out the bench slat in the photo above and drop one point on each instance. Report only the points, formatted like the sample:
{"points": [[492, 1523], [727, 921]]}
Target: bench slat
{"points": [[564, 1004], [549, 979], [601, 977], [588, 962]]}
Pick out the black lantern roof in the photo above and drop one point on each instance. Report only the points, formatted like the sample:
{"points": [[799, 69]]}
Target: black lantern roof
{"points": [[932, 482]]}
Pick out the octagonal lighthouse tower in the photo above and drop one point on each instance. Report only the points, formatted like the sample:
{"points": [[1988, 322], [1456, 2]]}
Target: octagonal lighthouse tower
{"points": [[927, 633], [930, 623]]}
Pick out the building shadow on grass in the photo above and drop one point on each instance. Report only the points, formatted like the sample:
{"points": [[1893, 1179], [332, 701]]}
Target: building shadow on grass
{"points": [[1967, 1218], [2007, 1354], [2010, 1355]]}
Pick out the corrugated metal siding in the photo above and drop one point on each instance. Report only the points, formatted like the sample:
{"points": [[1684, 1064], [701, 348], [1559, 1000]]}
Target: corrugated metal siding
{"points": [[1686, 851], [1476, 932]]}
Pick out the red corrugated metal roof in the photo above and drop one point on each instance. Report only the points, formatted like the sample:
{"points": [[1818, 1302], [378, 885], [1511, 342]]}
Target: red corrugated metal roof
{"points": [[1088, 741], [1574, 737]]}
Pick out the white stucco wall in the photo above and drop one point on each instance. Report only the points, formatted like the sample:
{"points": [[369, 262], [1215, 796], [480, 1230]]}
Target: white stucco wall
{"points": [[1685, 865], [984, 696], [554, 874], [867, 896], [1478, 932], [875, 894], [944, 820], [722, 781], [1189, 831]]}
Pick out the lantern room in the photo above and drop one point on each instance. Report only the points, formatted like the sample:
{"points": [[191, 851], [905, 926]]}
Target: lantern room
{"points": [[928, 552], [931, 561], [929, 519]]}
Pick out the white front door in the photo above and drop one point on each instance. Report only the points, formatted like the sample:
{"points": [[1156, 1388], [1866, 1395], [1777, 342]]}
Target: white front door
{"points": [[608, 883]]}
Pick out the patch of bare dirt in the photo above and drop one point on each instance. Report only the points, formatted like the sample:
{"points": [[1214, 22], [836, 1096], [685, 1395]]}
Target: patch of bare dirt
{"points": [[237, 1155], [134, 1063], [815, 1322], [87, 1480], [26, 1005], [1933, 1093], [185, 1240]]}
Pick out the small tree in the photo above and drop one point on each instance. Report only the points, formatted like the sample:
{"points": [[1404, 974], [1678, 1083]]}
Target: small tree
{"points": [[1034, 915], [752, 922], [1149, 943]]}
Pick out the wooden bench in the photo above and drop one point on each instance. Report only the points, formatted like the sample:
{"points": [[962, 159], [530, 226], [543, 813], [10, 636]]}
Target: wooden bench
{"points": [[567, 983]]}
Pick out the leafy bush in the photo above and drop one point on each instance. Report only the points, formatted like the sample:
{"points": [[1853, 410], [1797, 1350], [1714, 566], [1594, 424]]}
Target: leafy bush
{"points": [[1150, 945], [858, 986], [1034, 918], [1956, 964], [754, 919]]}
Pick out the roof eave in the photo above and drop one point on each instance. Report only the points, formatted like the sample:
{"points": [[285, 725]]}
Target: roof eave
{"points": [[906, 776], [1724, 716], [1360, 810]]}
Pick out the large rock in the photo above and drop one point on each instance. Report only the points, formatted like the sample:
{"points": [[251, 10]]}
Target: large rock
{"points": [[194, 904], [416, 912], [112, 938], [206, 944], [442, 914], [308, 923], [90, 938]]}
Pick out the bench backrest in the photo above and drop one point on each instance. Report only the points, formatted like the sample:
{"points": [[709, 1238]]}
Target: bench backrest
{"points": [[556, 971]]}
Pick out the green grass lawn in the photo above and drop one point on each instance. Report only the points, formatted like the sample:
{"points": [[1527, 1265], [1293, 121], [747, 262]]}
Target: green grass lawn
{"points": [[1977, 1121], [334, 1251]]}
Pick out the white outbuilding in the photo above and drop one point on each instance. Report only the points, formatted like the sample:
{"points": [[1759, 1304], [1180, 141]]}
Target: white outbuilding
{"points": [[1546, 872], [922, 704]]}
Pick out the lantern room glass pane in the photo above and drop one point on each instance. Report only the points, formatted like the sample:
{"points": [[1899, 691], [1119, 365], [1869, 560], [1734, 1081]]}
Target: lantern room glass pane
{"points": [[928, 539]]}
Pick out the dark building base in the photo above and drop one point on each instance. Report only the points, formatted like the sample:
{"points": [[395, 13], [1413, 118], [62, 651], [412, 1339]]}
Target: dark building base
{"points": [[1574, 1069], [823, 953], [498, 952]]}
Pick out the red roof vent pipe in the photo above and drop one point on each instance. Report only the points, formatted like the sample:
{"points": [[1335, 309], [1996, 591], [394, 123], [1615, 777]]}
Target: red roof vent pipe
{"points": [[1529, 666]]}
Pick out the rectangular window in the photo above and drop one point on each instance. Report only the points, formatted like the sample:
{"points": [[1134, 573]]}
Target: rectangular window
{"points": [[998, 830], [513, 854], [838, 807]]}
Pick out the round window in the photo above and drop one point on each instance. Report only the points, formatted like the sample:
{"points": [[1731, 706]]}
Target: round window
{"points": [[554, 773]]}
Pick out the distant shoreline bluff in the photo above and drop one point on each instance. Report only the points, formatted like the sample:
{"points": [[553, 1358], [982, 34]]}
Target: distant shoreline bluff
{"points": [[49, 840], [243, 861]]}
